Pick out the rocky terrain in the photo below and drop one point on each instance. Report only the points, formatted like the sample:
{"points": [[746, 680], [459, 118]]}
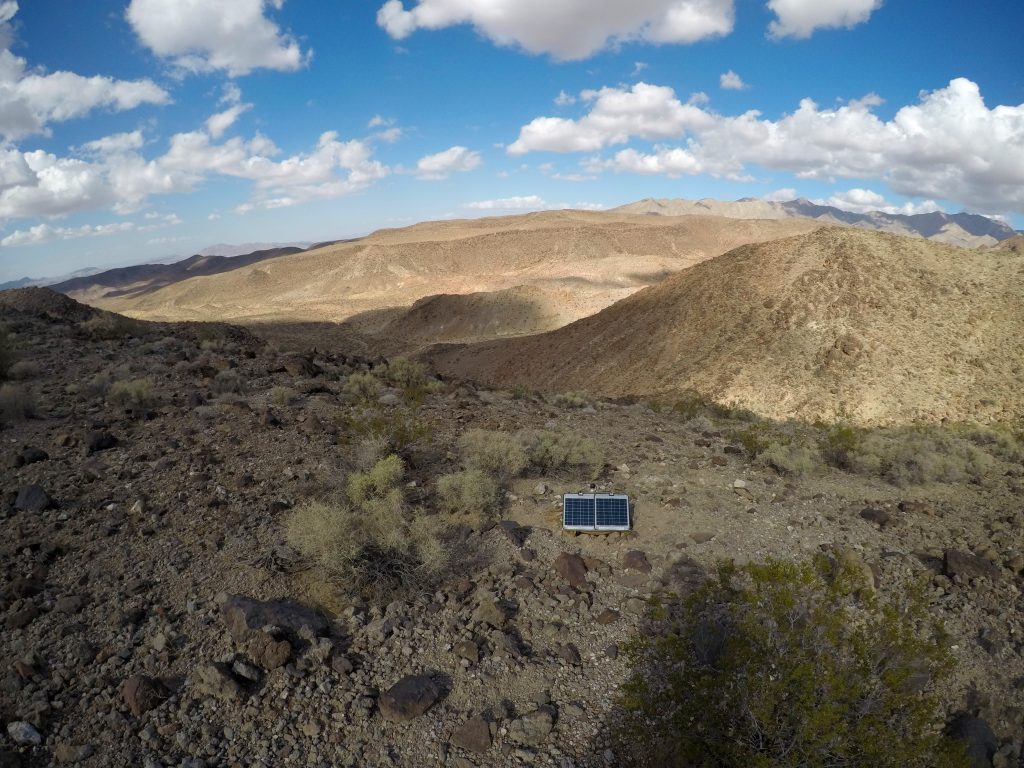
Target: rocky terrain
{"points": [[840, 322], [967, 230], [153, 614]]}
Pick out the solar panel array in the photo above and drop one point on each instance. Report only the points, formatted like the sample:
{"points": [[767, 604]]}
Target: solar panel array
{"points": [[595, 511]]}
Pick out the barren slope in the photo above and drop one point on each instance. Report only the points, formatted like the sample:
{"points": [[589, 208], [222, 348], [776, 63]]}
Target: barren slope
{"points": [[880, 327], [598, 257]]}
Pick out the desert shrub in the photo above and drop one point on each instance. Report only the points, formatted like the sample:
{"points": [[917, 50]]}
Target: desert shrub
{"points": [[400, 429], [98, 386], [700, 424], [571, 400], [839, 444], [754, 439], [789, 458], [551, 451], [470, 492], [999, 442], [23, 369], [363, 386], [368, 543], [499, 454], [135, 394], [691, 404], [405, 373], [226, 382], [281, 396], [787, 664], [16, 404], [107, 325], [914, 457]]}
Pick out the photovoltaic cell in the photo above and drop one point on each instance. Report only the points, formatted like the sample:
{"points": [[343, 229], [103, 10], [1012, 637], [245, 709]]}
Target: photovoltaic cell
{"points": [[612, 511], [595, 512], [579, 512]]}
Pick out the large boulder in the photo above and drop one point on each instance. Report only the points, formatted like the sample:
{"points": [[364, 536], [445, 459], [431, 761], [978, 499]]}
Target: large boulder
{"points": [[142, 693], [244, 617], [32, 498], [969, 566], [571, 568]]}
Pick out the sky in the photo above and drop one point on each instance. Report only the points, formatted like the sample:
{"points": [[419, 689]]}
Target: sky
{"points": [[140, 130]]}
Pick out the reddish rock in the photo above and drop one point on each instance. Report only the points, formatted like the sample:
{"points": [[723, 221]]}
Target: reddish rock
{"points": [[571, 568]]}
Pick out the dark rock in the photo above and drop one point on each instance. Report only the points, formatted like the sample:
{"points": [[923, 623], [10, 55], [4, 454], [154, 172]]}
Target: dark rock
{"points": [[29, 455], [571, 568], [302, 367], [21, 619], [514, 532], [969, 566], [409, 698], [878, 516], [69, 604], [733, 450], [24, 587], [142, 693], [473, 735], [607, 616], [569, 654], [245, 616], [719, 461], [612, 651], [24, 733], [99, 440], [72, 753], [468, 650], [268, 651], [977, 737], [32, 498], [635, 560]]}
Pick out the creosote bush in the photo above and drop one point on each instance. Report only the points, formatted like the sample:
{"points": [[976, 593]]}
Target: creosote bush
{"points": [[571, 400], [363, 385], [135, 394], [23, 369], [227, 382], [499, 454], [107, 325], [471, 493], [370, 543], [551, 451], [786, 664]]}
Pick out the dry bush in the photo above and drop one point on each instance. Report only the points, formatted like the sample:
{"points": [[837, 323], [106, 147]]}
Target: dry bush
{"points": [[7, 356], [16, 404], [23, 370], [369, 543], [918, 456], [471, 493], [98, 386], [107, 325], [790, 458], [369, 450], [227, 382], [136, 394], [282, 396], [399, 428], [363, 385], [998, 441], [551, 451], [571, 400], [499, 454]]}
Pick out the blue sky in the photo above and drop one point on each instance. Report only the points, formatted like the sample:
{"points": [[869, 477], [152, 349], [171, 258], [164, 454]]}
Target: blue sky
{"points": [[132, 130]]}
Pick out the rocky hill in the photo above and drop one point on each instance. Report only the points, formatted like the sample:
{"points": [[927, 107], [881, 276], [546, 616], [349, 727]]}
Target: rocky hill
{"points": [[597, 258], [964, 229], [839, 322]]}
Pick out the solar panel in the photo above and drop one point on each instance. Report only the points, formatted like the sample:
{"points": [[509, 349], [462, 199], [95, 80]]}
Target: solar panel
{"points": [[595, 512]]}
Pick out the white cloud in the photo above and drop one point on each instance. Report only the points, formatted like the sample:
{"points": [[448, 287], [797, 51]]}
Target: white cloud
{"points": [[217, 124], [31, 99], [529, 203], [799, 18], [570, 29], [865, 200], [564, 99], [522, 203], [730, 81], [378, 121], [948, 146], [443, 164], [202, 36], [44, 233], [781, 195], [644, 111]]}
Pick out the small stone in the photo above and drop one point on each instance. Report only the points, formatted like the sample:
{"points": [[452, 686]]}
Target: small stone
{"points": [[967, 566], [216, 680], [702, 537], [32, 498], [607, 616], [468, 650], [739, 484], [878, 516], [142, 693], [24, 734], [635, 560], [533, 728], [99, 440], [409, 698], [71, 753], [474, 735], [69, 604], [29, 455]]}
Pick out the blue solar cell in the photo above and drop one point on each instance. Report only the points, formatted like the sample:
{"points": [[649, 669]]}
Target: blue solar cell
{"points": [[579, 512], [612, 511]]}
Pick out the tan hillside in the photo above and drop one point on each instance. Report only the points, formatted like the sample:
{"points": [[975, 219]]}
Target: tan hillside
{"points": [[838, 321], [595, 258]]}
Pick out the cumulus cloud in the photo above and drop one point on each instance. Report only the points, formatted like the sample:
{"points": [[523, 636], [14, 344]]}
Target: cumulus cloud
{"points": [[443, 164], [783, 195], [519, 203], [112, 173], [570, 29], [202, 36], [44, 233], [865, 200], [30, 99], [730, 81], [948, 146], [799, 18]]}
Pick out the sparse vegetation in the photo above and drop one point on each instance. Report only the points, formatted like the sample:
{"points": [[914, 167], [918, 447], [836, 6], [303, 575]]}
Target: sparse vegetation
{"points": [[282, 396], [471, 493], [913, 457], [363, 386], [16, 404], [398, 428], [227, 382], [786, 664], [7, 356], [107, 325], [571, 400], [23, 370], [790, 458], [551, 451], [499, 454], [369, 544], [136, 394]]}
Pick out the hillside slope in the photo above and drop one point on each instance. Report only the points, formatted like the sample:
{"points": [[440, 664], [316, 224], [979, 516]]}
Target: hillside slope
{"points": [[839, 321], [597, 257]]}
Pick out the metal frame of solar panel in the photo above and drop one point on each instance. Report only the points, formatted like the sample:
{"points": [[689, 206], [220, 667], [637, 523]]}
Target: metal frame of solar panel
{"points": [[595, 512]]}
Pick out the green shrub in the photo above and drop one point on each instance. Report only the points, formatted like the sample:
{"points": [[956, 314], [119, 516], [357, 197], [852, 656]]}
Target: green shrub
{"points": [[571, 400], [363, 386], [399, 428], [839, 444], [790, 458], [281, 396], [16, 404], [755, 439], [499, 454], [470, 492], [551, 451], [227, 382], [405, 374], [691, 404], [136, 394], [98, 386], [787, 664], [914, 457], [999, 442], [369, 544]]}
